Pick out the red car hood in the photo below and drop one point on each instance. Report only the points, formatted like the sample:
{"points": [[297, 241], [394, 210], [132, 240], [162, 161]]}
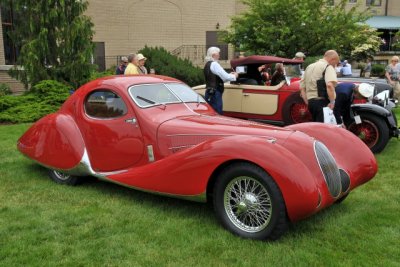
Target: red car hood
{"points": [[187, 131]]}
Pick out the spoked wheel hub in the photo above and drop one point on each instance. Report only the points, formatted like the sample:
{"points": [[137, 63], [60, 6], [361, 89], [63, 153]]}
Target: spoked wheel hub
{"points": [[61, 176], [299, 113], [366, 131], [247, 204]]}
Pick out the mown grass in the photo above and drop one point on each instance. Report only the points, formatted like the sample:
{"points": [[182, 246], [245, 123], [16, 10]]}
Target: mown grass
{"points": [[101, 224]]}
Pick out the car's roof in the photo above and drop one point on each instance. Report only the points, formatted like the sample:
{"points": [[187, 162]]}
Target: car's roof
{"points": [[262, 60], [127, 80]]}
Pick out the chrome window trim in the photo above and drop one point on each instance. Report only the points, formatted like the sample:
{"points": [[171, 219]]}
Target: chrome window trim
{"points": [[100, 118]]}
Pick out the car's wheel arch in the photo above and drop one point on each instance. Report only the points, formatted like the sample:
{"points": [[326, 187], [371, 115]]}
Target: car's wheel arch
{"points": [[217, 171], [291, 193]]}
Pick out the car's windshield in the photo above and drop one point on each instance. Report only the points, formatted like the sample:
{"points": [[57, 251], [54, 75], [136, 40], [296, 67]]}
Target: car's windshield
{"points": [[185, 93], [292, 70], [147, 95]]}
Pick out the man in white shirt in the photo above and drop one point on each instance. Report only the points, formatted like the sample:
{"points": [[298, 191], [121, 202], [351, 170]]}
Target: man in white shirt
{"points": [[215, 77], [346, 69]]}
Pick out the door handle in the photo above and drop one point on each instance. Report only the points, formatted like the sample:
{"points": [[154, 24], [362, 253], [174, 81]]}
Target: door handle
{"points": [[245, 94], [132, 121]]}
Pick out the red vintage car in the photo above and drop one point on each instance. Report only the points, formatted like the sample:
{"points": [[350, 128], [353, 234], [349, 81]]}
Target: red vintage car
{"points": [[251, 97], [154, 133]]}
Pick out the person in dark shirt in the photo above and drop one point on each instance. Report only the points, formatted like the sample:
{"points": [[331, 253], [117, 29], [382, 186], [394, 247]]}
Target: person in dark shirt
{"points": [[279, 74], [122, 66], [215, 77], [345, 94]]}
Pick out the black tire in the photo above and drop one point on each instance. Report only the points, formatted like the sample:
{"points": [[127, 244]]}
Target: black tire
{"points": [[373, 131], [258, 211], [295, 110], [63, 178], [340, 200]]}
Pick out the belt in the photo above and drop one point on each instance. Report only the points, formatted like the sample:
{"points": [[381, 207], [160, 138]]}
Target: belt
{"points": [[317, 98]]}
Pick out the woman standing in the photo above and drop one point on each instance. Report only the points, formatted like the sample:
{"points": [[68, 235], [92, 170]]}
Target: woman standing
{"points": [[392, 75]]}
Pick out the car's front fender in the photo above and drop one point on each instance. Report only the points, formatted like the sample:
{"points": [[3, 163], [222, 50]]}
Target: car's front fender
{"points": [[349, 151], [375, 109], [187, 173]]}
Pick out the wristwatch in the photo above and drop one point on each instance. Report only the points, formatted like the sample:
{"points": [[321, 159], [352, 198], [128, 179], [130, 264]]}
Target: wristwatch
{"points": [[332, 102]]}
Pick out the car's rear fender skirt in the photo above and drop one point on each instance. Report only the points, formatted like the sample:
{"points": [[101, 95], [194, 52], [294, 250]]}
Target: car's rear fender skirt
{"points": [[54, 141], [187, 173], [350, 153]]}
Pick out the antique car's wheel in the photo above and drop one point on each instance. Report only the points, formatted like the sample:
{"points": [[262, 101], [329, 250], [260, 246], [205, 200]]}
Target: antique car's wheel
{"points": [[248, 202], [340, 200], [372, 130], [63, 178], [295, 110]]}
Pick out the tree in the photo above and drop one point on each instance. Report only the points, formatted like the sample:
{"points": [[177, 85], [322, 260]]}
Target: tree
{"points": [[55, 41], [282, 28]]}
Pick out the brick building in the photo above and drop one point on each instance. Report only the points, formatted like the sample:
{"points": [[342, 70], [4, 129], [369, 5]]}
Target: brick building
{"points": [[186, 28]]}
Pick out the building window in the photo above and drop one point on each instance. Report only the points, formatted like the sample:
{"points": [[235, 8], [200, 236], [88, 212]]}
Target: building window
{"points": [[373, 2], [11, 51], [352, 1]]}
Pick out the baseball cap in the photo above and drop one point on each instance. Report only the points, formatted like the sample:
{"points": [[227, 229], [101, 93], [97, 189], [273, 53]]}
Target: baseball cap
{"points": [[300, 55], [140, 57], [366, 90]]}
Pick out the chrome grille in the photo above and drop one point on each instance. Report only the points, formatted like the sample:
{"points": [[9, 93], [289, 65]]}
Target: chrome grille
{"points": [[329, 169]]}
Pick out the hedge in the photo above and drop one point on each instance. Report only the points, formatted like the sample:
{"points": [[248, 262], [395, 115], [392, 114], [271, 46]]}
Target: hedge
{"points": [[43, 98]]}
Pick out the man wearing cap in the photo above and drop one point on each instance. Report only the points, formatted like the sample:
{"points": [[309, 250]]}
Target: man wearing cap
{"points": [[132, 67], [142, 60], [299, 56], [122, 66], [323, 73], [345, 94], [297, 68]]}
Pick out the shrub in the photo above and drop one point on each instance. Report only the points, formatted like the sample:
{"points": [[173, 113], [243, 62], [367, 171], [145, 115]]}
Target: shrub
{"points": [[96, 74], [44, 98], [5, 89], [378, 70], [310, 60], [167, 64]]}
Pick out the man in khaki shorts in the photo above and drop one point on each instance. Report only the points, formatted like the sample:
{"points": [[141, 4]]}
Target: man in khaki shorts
{"points": [[308, 85]]}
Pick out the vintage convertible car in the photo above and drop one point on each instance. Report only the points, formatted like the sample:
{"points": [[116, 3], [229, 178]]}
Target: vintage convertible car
{"points": [[154, 133], [251, 98]]}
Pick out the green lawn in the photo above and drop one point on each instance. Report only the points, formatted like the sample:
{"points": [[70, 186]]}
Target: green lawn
{"points": [[101, 224]]}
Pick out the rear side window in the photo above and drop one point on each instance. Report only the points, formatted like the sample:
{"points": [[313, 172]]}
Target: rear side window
{"points": [[104, 104]]}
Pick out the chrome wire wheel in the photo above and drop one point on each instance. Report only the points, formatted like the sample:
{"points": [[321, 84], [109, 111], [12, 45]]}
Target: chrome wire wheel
{"points": [[62, 176], [247, 204]]}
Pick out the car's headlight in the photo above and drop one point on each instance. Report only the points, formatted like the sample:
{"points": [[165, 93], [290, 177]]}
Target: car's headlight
{"points": [[328, 168]]}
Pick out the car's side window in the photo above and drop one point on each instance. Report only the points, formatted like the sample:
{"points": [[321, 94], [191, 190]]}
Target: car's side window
{"points": [[104, 104]]}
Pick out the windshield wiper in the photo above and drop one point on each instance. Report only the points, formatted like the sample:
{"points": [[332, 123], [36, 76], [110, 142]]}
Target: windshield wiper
{"points": [[150, 101], [146, 100]]}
